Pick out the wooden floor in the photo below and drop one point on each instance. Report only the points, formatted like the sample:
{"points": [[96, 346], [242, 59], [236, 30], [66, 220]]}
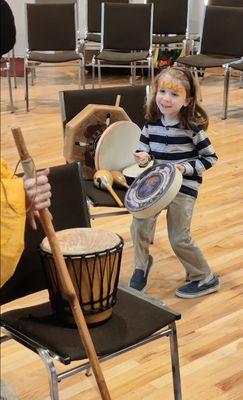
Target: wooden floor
{"points": [[211, 329]]}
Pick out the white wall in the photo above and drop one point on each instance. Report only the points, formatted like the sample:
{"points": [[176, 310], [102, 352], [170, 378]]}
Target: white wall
{"points": [[195, 15]]}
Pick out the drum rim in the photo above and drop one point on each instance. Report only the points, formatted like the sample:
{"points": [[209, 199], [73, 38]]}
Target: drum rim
{"points": [[156, 206], [112, 249]]}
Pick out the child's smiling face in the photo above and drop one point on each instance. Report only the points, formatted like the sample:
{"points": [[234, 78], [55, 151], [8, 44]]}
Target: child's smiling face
{"points": [[171, 96]]}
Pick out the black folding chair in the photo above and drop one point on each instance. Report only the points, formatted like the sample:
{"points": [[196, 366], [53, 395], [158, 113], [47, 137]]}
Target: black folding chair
{"points": [[126, 32], [221, 39], [52, 38], [132, 101], [170, 22]]}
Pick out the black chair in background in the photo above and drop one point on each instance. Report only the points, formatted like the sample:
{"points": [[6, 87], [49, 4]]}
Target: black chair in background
{"points": [[126, 32], [226, 3], [237, 66], [52, 38], [170, 22], [136, 319], [93, 17], [221, 41], [132, 101], [69, 210]]}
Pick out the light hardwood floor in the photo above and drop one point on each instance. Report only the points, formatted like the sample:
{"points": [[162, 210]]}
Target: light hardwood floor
{"points": [[211, 329]]}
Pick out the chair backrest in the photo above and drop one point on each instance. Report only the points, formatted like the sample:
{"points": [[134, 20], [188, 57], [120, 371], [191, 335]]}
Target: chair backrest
{"points": [[69, 210], [132, 101], [226, 3], [170, 16], [94, 14], [223, 31], [51, 26], [126, 27]]}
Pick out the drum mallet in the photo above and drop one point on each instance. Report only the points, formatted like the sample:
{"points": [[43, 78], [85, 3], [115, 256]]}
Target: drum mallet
{"points": [[67, 285], [104, 180]]}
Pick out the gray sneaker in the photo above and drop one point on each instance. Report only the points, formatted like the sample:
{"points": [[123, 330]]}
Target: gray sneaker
{"points": [[139, 278], [198, 289]]}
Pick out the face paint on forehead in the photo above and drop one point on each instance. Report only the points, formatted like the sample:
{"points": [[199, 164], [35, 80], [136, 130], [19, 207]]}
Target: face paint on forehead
{"points": [[173, 86]]}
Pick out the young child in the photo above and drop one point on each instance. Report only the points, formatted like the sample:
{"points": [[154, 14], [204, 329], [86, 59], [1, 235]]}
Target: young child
{"points": [[175, 132]]}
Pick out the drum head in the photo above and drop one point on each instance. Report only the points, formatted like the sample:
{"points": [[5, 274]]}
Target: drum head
{"points": [[116, 145], [133, 171], [153, 190], [80, 241]]}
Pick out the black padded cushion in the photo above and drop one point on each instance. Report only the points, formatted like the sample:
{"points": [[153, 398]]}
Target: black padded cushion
{"points": [[132, 320], [102, 197]]}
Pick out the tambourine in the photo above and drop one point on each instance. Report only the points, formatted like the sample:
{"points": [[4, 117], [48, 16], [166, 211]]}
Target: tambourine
{"points": [[153, 190], [114, 150]]}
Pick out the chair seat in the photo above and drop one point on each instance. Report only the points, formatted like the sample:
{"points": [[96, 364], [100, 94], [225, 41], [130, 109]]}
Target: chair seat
{"points": [[205, 61], [60, 56], [102, 198], [120, 57], [93, 37], [238, 66], [159, 39], [134, 318]]}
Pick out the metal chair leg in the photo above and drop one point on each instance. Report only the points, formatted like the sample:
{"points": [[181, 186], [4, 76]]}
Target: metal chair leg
{"points": [[99, 74], [226, 91], [52, 376], [175, 363], [198, 84], [9, 87], [93, 72], [26, 88], [14, 68]]}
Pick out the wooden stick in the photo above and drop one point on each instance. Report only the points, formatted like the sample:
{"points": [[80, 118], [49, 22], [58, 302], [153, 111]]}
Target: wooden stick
{"points": [[68, 289]]}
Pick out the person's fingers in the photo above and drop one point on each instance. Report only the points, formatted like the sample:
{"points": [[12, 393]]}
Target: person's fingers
{"points": [[43, 172], [43, 204], [31, 217]]}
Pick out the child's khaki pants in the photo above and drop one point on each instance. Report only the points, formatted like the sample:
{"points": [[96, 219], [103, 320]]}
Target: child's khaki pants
{"points": [[179, 215]]}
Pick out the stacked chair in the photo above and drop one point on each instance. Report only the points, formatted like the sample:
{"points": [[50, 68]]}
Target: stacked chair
{"points": [[125, 41]]}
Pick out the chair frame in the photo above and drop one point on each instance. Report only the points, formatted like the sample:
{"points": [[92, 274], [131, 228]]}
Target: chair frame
{"points": [[133, 65], [6, 61], [228, 68], [223, 60], [31, 65], [48, 356]]}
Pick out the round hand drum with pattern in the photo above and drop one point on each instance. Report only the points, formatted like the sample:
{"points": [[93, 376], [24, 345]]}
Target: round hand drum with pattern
{"points": [[93, 259], [153, 190]]}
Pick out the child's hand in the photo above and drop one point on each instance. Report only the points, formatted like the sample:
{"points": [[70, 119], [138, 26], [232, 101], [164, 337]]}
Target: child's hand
{"points": [[181, 168], [141, 158]]}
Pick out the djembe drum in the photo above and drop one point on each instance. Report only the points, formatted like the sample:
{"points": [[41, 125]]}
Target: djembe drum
{"points": [[153, 190], [93, 259]]}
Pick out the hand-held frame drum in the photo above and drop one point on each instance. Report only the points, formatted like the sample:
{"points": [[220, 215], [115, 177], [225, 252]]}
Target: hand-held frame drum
{"points": [[67, 286], [93, 259], [153, 190]]}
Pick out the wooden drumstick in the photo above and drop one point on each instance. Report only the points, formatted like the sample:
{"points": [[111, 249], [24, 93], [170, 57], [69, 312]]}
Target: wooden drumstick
{"points": [[104, 180], [119, 179], [67, 285]]}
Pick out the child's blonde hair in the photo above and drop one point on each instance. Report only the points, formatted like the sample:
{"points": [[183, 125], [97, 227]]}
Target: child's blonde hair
{"points": [[191, 115]]}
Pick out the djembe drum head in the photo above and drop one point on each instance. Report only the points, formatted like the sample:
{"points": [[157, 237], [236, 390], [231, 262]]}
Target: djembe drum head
{"points": [[93, 260], [153, 190]]}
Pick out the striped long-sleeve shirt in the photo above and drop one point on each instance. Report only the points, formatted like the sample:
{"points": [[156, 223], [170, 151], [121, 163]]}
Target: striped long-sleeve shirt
{"points": [[191, 148]]}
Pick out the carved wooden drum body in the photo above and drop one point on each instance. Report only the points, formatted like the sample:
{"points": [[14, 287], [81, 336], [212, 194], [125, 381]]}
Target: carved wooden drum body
{"points": [[153, 190], [93, 259], [83, 133]]}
